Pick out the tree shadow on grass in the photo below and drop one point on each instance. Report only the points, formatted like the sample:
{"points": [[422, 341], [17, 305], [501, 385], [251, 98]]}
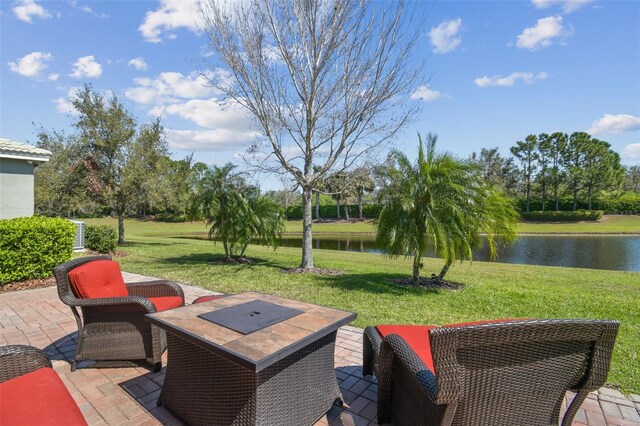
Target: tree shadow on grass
{"points": [[217, 259], [142, 245], [376, 283]]}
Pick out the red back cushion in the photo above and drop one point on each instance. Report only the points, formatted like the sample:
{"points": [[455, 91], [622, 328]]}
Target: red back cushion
{"points": [[97, 279], [416, 336], [463, 324], [38, 398]]}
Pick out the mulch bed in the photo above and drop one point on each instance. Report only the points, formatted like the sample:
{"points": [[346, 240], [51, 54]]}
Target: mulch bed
{"points": [[234, 261], [316, 271], [28, 285], [430, 283]]}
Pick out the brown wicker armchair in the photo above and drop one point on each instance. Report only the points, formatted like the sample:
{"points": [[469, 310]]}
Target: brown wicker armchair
{"points": [[491, 374], [113, 330]]}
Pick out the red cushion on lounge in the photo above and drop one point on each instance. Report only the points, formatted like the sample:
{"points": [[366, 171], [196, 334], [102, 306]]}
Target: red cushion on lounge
{"points": [[97, 279], [462, 324], [166, 302], [203, 299], [38, 398], [416, 336]]}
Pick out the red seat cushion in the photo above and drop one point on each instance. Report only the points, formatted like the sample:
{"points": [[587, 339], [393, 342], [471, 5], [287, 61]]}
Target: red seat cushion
{"points": [[38, 398], [416, 336], [166, 302], [463, 324], [202, 299], [97, 279]]}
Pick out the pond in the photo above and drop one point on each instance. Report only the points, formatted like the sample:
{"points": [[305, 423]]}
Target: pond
{"points": [[614, 252]]}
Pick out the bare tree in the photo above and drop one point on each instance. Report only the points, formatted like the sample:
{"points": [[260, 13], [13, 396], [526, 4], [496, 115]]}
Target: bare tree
{"points": [[327, 81]]}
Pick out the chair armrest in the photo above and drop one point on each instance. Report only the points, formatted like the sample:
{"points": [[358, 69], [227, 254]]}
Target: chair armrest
{"points": [[17, 360], [158, 288], [393, 350], [135, 302]]}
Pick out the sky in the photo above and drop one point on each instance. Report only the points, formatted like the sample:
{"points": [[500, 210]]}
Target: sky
{"points": [[495, 71]]}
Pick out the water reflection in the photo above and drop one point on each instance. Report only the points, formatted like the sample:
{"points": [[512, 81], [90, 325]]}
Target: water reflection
{"points": [[614, 252]]}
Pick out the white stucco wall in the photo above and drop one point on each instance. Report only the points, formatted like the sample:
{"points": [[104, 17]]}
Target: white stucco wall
{"points": [[16, 188]]}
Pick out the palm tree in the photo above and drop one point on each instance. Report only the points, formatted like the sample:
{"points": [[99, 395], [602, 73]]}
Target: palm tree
{"points": [[440, 202], [234, 211]]}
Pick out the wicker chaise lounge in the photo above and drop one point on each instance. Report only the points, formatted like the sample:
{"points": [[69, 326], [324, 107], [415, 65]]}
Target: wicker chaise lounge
{"points": [[495, 373], [112, 329]]}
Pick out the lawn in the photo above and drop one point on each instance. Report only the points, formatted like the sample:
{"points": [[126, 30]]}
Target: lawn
{"points": [[608, 224], [492, 290]]}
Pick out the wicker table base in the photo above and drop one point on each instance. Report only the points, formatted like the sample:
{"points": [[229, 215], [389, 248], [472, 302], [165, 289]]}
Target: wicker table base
{"points": [[204, 388]]}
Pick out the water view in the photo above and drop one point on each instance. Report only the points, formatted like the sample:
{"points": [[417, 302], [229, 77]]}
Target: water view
{"points": [[612, 252]]}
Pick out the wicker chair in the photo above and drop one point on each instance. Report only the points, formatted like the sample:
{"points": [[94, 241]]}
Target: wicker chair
{"points": [[112, 330], [31, 392], [491, 374]]}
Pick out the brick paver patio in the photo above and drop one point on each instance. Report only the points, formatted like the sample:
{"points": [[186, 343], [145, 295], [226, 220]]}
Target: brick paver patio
{"points": [[116, 396]]}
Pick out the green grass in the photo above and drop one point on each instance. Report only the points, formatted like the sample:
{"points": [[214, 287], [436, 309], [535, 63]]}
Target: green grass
{"points": [[607, 225], [492, 290]]}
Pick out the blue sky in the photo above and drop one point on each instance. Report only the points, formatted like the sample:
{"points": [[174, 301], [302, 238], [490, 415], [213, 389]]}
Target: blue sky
{"points": [[497, 70]]}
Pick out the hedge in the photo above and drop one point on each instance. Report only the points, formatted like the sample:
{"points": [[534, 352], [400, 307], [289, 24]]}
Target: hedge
{"points": [[102, 238], [31, 246], [369, 211], [620, 206], [551, 216]]}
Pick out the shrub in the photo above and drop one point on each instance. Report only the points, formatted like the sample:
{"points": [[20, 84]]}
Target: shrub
{"points": [[170, 217], [102, 239], [551, 216], [369, 211], [31, 246]]}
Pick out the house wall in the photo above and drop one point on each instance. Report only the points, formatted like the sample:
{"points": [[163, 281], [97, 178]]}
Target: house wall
{"points": [[16, 188]]}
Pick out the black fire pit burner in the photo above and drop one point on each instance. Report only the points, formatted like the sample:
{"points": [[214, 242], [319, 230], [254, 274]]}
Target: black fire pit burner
{"points": [[251, 316]]}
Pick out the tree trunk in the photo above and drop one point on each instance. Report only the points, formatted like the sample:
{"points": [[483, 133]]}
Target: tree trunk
{"points": [[444, 270], [416, 269], [338, 208], [120, 228], [528, 193], [590, 194], [575, 195], [544, 193], [346, 211], [360, 202], [555, 195], [307, 236], [317, 205], [286, 208]]}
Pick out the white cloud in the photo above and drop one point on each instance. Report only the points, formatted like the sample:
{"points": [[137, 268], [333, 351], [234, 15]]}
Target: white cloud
{"points": [[53, 76], [26, 9], [86, 66], [542, 34], [631, 153], [169, 87], [425, 93], [171, 14], [445, 37], [619, 123], [510, 80], [64, 105], [209, 140], [31, 65], [211, 113], [139, 63], [568, 6]]}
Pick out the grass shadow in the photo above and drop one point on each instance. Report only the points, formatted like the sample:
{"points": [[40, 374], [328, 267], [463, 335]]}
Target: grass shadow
{"points": [[217, 259]]}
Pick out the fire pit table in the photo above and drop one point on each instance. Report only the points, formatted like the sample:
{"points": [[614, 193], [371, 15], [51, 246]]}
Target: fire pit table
{"points": [[250, 359]]}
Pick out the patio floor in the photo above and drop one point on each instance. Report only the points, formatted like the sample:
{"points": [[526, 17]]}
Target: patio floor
{"points": [[116, 396]]}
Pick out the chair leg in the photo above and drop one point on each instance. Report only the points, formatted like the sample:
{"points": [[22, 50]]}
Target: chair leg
{"points": [[572, 409], [367, 356], [157, 367]]}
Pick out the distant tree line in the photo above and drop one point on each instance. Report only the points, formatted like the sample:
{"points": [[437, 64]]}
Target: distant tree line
{"points": [[548, 168]]}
